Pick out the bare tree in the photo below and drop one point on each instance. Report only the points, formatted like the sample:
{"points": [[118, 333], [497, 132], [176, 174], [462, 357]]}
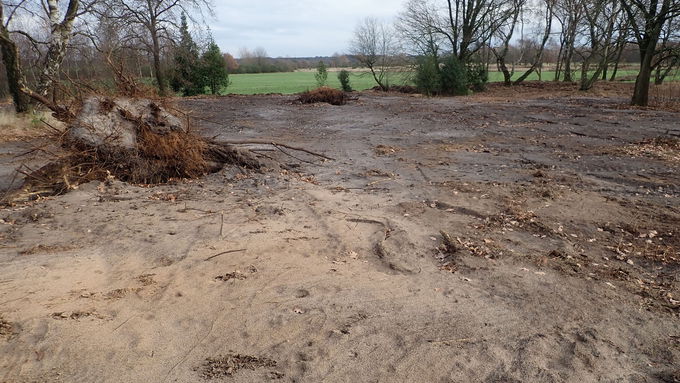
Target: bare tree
{"points": [[50, 43], [421, 28], [374, 45], [465, 25], [647, 18], [619, 47], [158, 19], [12, 61], [669, 52], [260, 55], [504, 34], [599, 42], [471, 23], [568, 13], [536, 62], [61, 28]]}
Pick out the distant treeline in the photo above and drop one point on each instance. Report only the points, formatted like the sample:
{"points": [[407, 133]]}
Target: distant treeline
{"points": [[110, 46], [257, 61]]}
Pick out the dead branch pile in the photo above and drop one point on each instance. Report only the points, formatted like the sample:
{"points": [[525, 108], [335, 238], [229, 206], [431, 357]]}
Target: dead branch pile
{"points": [[134, 140], [324, 94]]}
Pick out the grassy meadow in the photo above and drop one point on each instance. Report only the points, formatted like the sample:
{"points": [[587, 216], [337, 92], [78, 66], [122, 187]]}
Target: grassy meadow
{"points": [[296, 82]]}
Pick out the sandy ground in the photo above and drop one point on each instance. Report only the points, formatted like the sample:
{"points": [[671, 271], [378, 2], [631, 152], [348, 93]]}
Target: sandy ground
{"points": [[493, 238]]}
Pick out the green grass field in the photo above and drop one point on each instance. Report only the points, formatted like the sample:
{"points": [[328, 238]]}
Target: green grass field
{"points": [[296, 82]]}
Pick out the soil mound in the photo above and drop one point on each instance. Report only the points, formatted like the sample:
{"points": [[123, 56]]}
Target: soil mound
{"points": [[134, 140]]}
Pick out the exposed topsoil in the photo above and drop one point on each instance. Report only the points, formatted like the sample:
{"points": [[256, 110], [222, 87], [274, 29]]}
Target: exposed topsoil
{"points": [[493, 238]]}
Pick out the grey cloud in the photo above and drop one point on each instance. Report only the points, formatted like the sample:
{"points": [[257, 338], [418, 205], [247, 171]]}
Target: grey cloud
{"points": [[293, 28]]}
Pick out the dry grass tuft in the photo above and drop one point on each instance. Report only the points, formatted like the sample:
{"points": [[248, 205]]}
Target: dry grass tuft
{"points": [[21, 127], [385, 150], [222, 366], [324, 94], [46, 249], [666, 96], [6, 328]]}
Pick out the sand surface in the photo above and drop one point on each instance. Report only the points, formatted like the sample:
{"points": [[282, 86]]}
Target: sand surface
{"points": [[563, 217]]}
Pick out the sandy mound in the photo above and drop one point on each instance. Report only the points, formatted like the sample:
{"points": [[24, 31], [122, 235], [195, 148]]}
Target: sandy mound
{"points": [[134, 140]]}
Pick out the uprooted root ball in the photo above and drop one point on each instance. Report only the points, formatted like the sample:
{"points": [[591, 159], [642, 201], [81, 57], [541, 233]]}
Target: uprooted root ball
{"points": [[134, 140], [324, 94]]}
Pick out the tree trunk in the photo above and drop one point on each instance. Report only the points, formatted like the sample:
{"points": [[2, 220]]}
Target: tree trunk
{"points": [[619, 54], [378, 79], [587, 82], [538, 59], [15, 77], [567, 65], [568, 57], [500, 58], [507, 76], [662, 73], [160, 77], [59, 38], [641, 92], [558, 63], [53, 59]]}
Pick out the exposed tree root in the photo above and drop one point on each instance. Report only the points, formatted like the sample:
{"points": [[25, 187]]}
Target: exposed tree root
{"points": [[134, 140]]}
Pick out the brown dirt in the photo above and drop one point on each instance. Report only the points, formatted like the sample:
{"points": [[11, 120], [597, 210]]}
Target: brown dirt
{"points": [[492, 238]]}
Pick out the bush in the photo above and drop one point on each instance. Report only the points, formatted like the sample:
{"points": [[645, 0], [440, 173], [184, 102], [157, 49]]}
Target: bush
{"points": [[477, 76], [446, 78], [324, 94], [450, 77], [186, 78], [213, 69], [343, 76], [428, 76], [321, 74], [454, 77]]}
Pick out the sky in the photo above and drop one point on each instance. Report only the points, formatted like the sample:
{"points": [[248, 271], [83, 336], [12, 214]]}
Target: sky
{"points": [[288, 28]]}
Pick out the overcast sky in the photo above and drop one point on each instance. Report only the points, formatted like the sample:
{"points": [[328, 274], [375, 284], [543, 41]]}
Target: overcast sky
{"points": [[289, 28]]}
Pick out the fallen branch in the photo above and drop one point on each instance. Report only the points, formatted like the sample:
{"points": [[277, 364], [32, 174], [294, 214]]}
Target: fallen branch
{"points": [[224, 252], [254, 142], [292, 156], [61, 113], [58, 131], [273, 143]]}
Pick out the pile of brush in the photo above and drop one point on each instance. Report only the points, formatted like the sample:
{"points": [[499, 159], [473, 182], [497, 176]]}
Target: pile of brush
{"points": [[134, 140], [323, 94]]}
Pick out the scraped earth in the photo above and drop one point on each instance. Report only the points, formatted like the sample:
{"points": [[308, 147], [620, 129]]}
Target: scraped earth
{"points": [[491, 238]]}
